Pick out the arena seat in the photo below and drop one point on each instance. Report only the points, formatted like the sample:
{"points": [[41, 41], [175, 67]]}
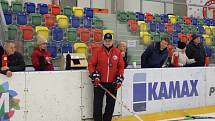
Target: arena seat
{"points": [[4, 5], [146, 37], [161, 27], [174, 38], [148, 17], [80, 48], [122, 16], [97, 23], [152, 27], [97, 35], [164, 18], [155, 36], [180, 20], [207, 30], [88, 12], [62, 21], [35, 19], [131, 15], [27, 32], [207, 21], [57, 33], [187, 20], [8, 17], [87, 22], [42, 31], [43, 8], [52, 48], [16, 6], [84, 34], [67, 11], [169, 27], [172, 19], [200, 29], [201, 22], [66, 47], [75, 21], [143, 27], [78, 11], [133, 26], [157, 18], [194, 20], [177, 27], [71, 34], [29, 7], [54, 9], [208, 40], [49, 20], [21, 18], [140, 16], [12, 32]]}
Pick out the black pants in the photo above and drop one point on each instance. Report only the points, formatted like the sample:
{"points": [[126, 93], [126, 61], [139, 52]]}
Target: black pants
{"points": [[98, 101]]}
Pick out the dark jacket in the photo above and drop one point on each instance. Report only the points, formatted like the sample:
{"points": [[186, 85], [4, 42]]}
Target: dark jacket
{"points": [[39, 62], [1, 53], [15, 61], [153, 57], [125, 58], [197, 52]]}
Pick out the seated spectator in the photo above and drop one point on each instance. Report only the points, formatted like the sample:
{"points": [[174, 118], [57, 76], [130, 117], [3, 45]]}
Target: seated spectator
{"points": [[123, 49], [195, 50], [155, 54], [10, 59], [41, 58], [4, 69], [179, 57]]}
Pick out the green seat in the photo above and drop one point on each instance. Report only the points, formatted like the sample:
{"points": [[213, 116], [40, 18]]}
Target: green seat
{"points": [[155, 36], [98, 23], [185, 29], [122, 16], [12, 32], [157, 18], [131, 16], [164, 35], [180, 20], [67, 11], [193, 29], [4, 5], [16, 6], [35, 19], [201, 22], [71, 35]]}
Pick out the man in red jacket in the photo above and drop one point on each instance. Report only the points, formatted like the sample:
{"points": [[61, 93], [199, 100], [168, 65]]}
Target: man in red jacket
{"points": [[106, 67]]}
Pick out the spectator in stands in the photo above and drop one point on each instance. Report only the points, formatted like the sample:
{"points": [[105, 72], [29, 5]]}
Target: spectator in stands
{"points": [[155, 54], [11, 59], [195, 50], [106, 68], [41, 58], [123, 48], [179, 57], [4, 69]]}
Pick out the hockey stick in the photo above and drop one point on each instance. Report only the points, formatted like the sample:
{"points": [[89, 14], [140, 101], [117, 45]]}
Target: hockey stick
{"points": [[121, 103], [193, 117]]}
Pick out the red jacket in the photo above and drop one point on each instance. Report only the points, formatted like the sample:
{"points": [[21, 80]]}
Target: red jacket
{"points": [[108, 64], [35, 60]]}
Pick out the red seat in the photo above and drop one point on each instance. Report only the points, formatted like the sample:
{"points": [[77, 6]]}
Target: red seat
{"points": [[133, 26], [49, 20], [54, 9], [84, 34], [148, 17], [169, 27], [27, 32], [97, 35], [189, 37], [183, 37], [187, 20]]}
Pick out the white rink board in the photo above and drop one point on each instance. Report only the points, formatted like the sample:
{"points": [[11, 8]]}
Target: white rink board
{"points": [[210, 99]]}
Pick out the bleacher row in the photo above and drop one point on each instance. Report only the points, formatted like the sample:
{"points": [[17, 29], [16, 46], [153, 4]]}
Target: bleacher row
{"points": [[177, 28], [67, 29]]}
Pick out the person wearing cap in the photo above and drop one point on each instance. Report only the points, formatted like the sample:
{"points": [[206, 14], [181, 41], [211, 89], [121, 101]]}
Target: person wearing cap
{"points": [[106, 68], [123, 48], [195, 50], [11, 60], [179, 57], [155, 54], [41, 57]]}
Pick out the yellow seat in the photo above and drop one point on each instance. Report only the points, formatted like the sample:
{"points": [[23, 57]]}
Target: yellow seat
{"points": [[42, 31], [62, 21], [146, 37], [208, 40], [207, 30], [140, 22], [172, 18], [81, 48], [108, 31], [78, 11], [212, 29], [143, 27]]}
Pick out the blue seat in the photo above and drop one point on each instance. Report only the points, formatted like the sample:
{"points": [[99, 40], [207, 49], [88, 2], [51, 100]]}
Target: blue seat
{"points": [[140, 16], [42, 8], [8, 17], [88, 12], [21, 18], [153, 27], [75, 21], [66, 47], [161, 27], [211, 22], [207, 21], [175, 38], [30, 7], [164, 18], [177, 27], [208, 51], [87, 22], [200, 29], [194, 21], [52, 48], [57, 33]]}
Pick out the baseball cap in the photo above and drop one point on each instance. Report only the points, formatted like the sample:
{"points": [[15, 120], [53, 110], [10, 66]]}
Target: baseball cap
{"points": [[108, 36]]}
